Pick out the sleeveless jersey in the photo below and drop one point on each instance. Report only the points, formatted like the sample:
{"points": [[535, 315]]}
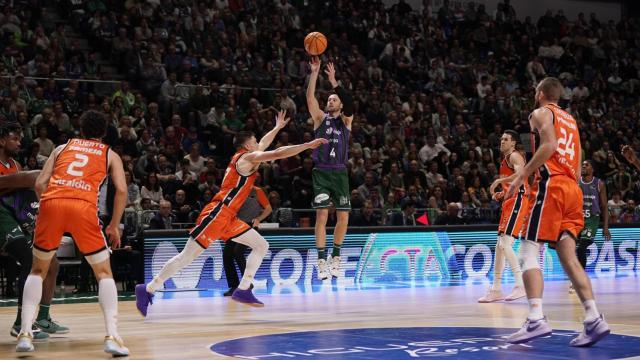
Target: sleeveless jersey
{"points": [[507, 170], [10, 167], [335, 154], [235, 187], [79, 171], [565, 160], [591, 197]]}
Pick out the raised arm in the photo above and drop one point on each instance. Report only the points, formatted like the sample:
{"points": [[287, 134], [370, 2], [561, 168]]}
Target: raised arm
{"points": [[282, 152], [630, 155], [267, 139], [541, 120], [343, 94], [116, 171], [312, 102]]}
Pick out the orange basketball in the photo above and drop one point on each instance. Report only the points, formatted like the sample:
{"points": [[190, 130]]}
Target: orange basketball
{"points": [[315, 43]]}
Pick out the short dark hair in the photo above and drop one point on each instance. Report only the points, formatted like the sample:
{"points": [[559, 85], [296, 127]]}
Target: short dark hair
{"points": [[241, 138], [514, 135], [8, 128], [93, 124], [551, 87]]}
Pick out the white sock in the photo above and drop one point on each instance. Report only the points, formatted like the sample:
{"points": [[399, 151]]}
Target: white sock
{"points": [[259, 247], [535, 309], [190, 252], [498, 267], [512, 258], [590, 310], [30, 299], [108, 298]]}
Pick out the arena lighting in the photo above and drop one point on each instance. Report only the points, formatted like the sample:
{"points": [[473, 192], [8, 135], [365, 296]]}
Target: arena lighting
{"points": [[384, 257]]}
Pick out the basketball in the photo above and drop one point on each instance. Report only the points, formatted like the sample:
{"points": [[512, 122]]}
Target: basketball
{"points": [[315, 43]]}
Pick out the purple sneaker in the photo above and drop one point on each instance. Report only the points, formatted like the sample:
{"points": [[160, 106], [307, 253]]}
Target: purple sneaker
{"points": [[143, 299], [532, 329], [246, 297], [593, 332]]}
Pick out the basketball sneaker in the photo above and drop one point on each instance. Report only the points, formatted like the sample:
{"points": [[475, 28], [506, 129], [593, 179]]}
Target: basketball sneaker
{"points": [[51, 327], [25, 343], [593, 332], [143, 299], [246, 297], [37, 333], [335, 266], [532, 329], [323, 272], [517, 293], [491, 296], [115, 346]]}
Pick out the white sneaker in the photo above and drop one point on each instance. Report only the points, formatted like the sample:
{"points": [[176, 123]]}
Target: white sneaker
{"points": [[517, 293], [491, 296], [115, 346], [25, 343], [335, 266], [323, 272]]}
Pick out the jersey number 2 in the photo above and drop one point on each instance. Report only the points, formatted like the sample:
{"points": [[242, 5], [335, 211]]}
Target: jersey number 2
{"points": [[81, 161]]}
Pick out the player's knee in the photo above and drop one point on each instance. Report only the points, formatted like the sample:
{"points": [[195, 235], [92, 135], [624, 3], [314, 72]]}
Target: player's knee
{"points": [[529, 253], [321, 216]]}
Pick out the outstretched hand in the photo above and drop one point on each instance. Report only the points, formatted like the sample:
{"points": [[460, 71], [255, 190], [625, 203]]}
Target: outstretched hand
{"points": [[331, 74], [281, 121], [317, 142], [315, 64]]}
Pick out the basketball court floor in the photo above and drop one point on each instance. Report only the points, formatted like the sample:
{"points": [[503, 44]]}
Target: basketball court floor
{"points": [[343, 322]]}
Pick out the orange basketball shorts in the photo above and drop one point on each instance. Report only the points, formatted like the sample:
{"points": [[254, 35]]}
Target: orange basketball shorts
{"points": [[76, 217], [555, 207], [217, 222], [514, 211]]}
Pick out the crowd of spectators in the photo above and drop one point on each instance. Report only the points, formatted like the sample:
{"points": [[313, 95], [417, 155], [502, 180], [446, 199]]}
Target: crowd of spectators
{"points": [[433, 88]]}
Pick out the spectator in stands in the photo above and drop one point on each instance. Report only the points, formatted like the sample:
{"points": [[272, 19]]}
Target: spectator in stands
{"points": [[164, 218], [407, 217], [133, 191], [152, 189], [451, 217], [181, 209], [367, 216]]}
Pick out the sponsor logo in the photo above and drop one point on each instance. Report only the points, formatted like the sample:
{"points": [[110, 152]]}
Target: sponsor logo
{"points": [[74, 183], [321, 198], [419, 342]]}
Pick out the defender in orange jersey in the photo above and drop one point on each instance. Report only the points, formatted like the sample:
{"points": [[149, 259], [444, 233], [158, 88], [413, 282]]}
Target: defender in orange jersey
{"points": [[511, 220], [69, 185], [555, 214], [218, 220]]}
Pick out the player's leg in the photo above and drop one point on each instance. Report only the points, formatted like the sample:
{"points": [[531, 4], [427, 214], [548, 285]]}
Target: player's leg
{"points": [[341, 198], [228, 257], [43, 320], [108, 299], [209, 226], [321, 242], [506, 244], [321, 202], [495, 292], [595, 327], [31, 297], [259, 247]]}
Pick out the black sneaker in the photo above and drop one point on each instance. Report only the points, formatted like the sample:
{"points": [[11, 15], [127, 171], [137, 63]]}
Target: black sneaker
{"points": [[229, 292]]}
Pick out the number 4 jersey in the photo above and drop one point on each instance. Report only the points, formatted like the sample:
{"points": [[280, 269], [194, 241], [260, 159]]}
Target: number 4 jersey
{"points": [[334, 155], [79, 171]]}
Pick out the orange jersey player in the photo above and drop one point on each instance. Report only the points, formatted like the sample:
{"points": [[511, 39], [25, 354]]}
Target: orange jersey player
{"points": [[555, 214], [69, 185], [511, 221], [219, 220]]}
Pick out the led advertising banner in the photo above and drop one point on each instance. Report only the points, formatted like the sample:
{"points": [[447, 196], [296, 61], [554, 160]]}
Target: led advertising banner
{"points": [[385, 256]]}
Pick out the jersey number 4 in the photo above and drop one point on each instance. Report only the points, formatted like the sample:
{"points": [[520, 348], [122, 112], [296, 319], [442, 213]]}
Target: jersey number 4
{"points": [[333, 152], [81, 161], [566, 146]]}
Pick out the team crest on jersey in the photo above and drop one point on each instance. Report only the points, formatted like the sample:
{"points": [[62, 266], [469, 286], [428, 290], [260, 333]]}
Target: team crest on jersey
{"points": [[328, 122], [329, 131]]}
